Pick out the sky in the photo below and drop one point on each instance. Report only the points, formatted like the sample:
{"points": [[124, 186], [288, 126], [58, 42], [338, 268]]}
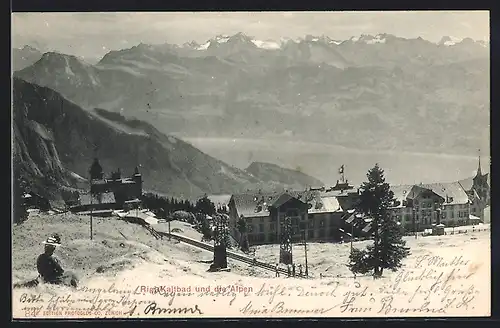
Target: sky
{"points": [[94, 34]]}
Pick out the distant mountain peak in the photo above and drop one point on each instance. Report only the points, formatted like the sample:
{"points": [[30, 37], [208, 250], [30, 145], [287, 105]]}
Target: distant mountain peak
{"points": [[29, 48], [272, 172], [449, 41], [54, 57]]}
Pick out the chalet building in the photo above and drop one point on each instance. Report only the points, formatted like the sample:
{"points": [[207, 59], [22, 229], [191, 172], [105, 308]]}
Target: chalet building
{"points": [[331, 214], [325, 219], [254, 209], [321, 220], [452, 204], [122, 189], [478, 190]]}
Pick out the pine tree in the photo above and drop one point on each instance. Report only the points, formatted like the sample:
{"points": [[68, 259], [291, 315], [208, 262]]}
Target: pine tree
{"points": [[388, 249], [204, 205]]}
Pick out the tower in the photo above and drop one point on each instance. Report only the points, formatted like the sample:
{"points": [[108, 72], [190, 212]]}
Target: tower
{"points": [[480, 182], [137, 177], [221, 236], [478, 173], [95, 170], [286, 241]]}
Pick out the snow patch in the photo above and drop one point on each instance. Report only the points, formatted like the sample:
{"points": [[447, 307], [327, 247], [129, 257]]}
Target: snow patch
{"points": [[204, 46], [221, 38], [266, 44], [377, 39], [67, 68], [76, 176], [449, 41]]}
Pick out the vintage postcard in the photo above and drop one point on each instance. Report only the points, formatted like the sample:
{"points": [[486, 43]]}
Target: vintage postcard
{"points": [[250, 165]]}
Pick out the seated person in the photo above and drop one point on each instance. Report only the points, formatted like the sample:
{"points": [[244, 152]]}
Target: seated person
{"points": [[49, 267]]}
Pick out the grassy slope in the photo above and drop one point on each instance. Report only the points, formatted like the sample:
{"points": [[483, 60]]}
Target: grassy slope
{"points": [[169, 264], [83, 256]]}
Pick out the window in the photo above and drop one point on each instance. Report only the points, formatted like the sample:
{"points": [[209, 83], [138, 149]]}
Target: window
{"points": [[273, 226], [261, 227], [322, 223], [311, 224]]}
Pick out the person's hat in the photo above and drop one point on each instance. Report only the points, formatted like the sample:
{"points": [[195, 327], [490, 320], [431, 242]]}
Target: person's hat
{"points": [[54, 240]]}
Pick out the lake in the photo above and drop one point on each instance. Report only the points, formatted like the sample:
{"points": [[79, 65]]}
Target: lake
{"points": [[323, 161]]}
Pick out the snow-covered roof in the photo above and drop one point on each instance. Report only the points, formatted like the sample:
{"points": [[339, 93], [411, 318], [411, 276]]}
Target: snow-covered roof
{"points": [[329, 204], [452, 191]]}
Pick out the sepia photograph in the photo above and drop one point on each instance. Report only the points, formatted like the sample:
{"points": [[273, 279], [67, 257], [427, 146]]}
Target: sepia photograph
{"points": [[292, 164]]}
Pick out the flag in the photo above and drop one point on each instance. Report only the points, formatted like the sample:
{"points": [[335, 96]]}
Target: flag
{"points": [[341, 169]]}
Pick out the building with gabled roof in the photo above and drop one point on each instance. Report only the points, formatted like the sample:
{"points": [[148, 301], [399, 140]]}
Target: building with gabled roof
{"points": [[324, 214], [463, 200]]}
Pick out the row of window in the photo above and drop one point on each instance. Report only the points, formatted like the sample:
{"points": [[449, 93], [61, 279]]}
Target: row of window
{"points": [[273, 237], [296, 222], [427, 216], [446, 208]]}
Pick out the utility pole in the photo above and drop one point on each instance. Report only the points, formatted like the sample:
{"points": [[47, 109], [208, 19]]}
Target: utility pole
{"points": [[305, 250], [91, 209], [352, 234], [416, 220], [169, 219]]}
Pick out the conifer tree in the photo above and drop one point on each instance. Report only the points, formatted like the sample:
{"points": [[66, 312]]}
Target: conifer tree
{"points": [[388, 249], [204, 205]]}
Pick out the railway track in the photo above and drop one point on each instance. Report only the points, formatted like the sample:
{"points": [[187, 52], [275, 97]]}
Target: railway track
{"points": [[230, 254]]}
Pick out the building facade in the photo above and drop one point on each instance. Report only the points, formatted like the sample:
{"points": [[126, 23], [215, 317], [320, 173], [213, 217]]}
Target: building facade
{"points": [[123, 189], [463, 203], [331, 214], [321, 221]]}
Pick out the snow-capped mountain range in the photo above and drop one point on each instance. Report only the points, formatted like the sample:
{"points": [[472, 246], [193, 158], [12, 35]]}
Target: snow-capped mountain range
{"points": [[361, 39], [394, 92], [223, 45]]}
